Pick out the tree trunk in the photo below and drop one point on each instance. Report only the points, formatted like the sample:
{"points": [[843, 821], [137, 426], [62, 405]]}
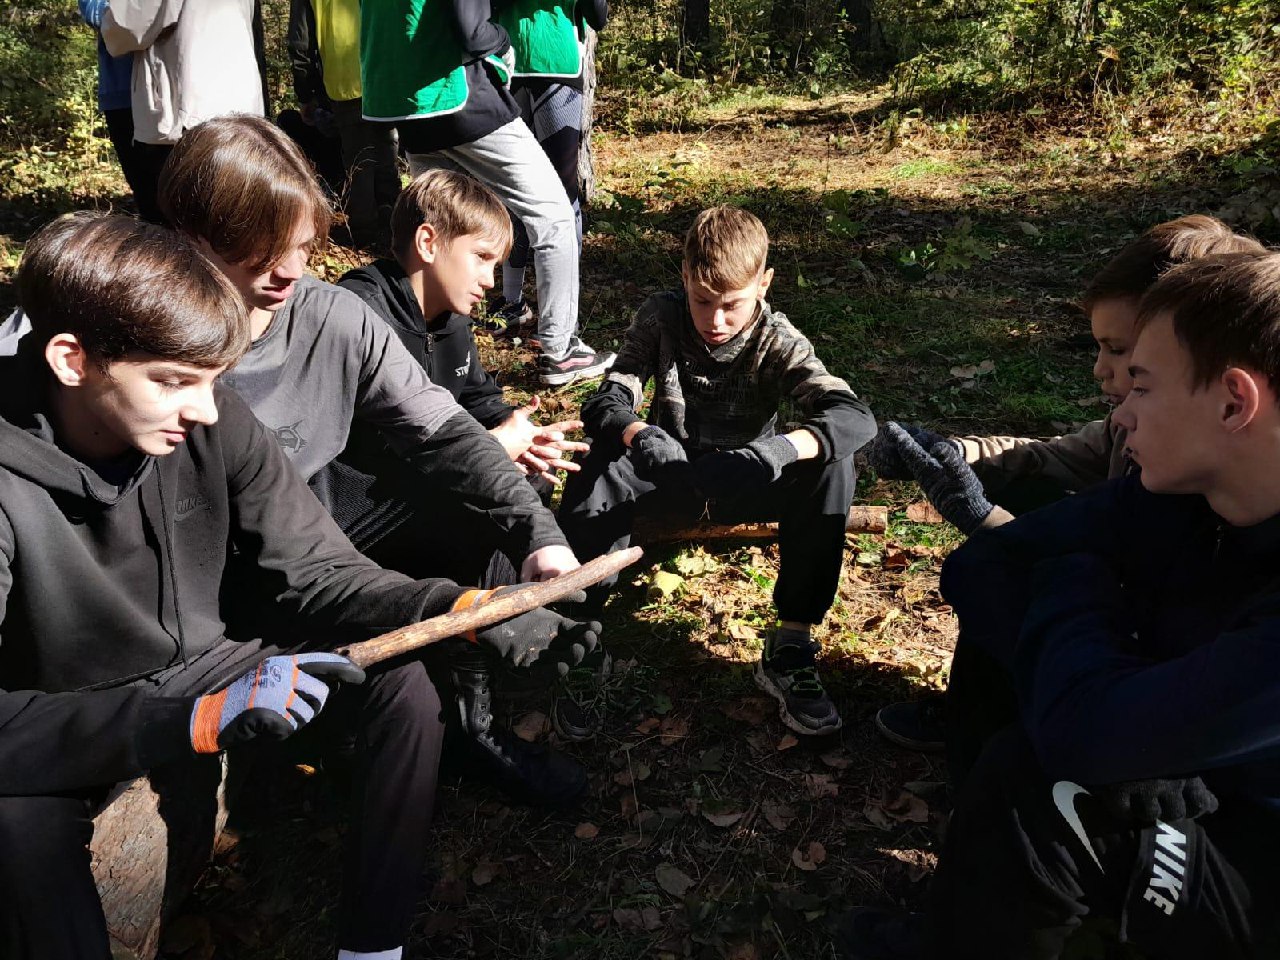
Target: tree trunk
{"points": [[695, 22], [867, 41], [586, 160], [150, 846]]}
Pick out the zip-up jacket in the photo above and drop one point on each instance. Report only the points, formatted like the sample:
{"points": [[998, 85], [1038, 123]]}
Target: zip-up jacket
{"points": [[104, 583], [724, 397], [444, 346], [1073, 461], [324, 49], [1142, 633], [328, 363]]}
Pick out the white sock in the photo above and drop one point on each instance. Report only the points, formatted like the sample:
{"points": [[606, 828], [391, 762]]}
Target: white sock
{"points": [[393, 954], [512, 283]]}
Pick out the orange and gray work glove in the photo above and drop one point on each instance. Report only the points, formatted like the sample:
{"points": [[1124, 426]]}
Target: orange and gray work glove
{"points": [[539, 636], [272, 701]]}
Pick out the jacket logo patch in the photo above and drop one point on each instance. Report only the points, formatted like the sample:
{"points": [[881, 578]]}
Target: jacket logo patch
{"points": [[463, 370], [189, 505], [289, 438], [1168, 869]]}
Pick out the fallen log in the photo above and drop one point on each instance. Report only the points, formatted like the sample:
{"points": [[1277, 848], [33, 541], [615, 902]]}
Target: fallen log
{"points": [[650, 530], [153, 841]]}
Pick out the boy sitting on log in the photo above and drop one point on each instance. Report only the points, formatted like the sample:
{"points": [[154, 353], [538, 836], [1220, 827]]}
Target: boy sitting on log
{"points": [[127, 477], [337, 387], [722, 361], [1132, 634], [962, 476]]}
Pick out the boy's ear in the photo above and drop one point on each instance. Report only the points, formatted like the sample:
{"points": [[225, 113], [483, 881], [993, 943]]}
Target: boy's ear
{"points": [[766, 278], [1244, 397], [426, 242], [67, 359]]}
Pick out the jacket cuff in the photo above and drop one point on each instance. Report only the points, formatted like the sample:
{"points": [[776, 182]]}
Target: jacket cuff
{"points": [[164, 730]]}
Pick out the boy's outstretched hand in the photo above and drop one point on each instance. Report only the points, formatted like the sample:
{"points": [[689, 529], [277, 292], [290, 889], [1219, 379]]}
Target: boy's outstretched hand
{"points": [[539, 636], [535, 449], [273, 700], [949, 483]]}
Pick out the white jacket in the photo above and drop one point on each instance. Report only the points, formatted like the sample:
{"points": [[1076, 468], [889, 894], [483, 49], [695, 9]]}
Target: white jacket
{"points": [[193, 60]]}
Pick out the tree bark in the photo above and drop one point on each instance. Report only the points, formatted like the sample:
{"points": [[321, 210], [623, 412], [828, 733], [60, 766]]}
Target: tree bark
{"points": [[695, 22], [650, 530], [150, 846], [586, 159]]}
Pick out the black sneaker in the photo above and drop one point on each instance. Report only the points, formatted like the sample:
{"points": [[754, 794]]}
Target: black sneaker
{"points": [[879, 933], [787, 671], [915, 724], [528, 773], [504, 318], [578, 705], [580, 363]]}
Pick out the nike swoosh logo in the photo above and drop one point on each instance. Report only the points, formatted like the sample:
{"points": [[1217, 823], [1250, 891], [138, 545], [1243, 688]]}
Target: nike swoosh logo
{"points": [[1064, 798]]}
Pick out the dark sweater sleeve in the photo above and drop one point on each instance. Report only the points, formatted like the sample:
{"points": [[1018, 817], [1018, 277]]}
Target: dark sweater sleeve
{"points": [[428, 429], [832, 412], [304, 54], [479, 35], [595, 13], [481, 396], [617, 403], [1097, 714], [61, 742]]}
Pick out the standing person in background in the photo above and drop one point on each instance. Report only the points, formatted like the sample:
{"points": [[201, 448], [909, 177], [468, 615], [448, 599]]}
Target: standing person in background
{"points": [[192, 61], [548, 38], [439, 70], [115, 77], [324, 52]]}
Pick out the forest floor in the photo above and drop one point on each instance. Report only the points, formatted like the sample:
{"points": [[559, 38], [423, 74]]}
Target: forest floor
{"points": [[933, 263]]}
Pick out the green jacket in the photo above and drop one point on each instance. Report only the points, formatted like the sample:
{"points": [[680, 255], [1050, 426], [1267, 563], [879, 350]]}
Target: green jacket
{"points": [[412, 60], [544, 35]]}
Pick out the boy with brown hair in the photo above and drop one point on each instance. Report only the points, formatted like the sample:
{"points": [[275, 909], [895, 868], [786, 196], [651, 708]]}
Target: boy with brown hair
{"points": [[326, 374], [722, 361], [127, 471], [962, 475], [1137, 628]]}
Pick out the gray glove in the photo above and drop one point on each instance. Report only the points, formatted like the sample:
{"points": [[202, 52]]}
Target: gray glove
{"points": [[1146, 801], [658, 456], [885, 457], [758, 464], [949, 483]]}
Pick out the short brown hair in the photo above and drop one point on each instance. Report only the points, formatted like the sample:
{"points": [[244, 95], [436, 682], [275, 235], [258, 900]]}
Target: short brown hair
{"points": [[725, 249], [1225, 311], [124, 287], [242, 186], [454, 204], [1132, 271]]}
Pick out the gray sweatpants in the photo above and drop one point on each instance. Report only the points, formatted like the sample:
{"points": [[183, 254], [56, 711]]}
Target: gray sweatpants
{"points": [[512, 163]]}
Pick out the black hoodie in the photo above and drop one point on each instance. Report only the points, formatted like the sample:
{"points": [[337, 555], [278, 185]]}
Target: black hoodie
{"points": [[445, 347], [101, 584]]}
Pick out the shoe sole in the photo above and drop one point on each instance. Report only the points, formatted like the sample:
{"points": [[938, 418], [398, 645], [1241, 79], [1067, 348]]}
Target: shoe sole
{"points": [[573, 376], [571, 734], [919, 746], [788, 721]]}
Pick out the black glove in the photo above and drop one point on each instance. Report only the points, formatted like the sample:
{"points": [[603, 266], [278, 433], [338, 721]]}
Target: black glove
{"points": [[1146, 801], [539, 636], [949, 483], [731, 472], [658, 456], [885, 456]]}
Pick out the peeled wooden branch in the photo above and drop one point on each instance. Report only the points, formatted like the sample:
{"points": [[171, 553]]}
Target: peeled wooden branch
{"points": [[861, 520], [510, 604]]}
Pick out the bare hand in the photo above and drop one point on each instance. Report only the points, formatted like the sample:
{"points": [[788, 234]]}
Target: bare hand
{"points": [[539, 450], [548, 562]]}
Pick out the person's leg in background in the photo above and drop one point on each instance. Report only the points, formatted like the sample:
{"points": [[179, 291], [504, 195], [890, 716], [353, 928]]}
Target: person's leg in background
{"points": [[373, 178]]}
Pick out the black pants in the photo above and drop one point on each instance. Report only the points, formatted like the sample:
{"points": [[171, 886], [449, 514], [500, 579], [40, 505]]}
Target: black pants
{"points": [[141, 162], [49, 908], [810, 501], [1016, 878]]}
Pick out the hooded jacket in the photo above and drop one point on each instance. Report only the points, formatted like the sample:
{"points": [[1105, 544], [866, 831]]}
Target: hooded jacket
{"points": [[445, 347], [104, 583]]}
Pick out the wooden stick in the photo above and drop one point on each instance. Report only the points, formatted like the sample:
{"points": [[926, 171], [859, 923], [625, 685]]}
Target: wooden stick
{"points": [[861, 520], [515, 602]]}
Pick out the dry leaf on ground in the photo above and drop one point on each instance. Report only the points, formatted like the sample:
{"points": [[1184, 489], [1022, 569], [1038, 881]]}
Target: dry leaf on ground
{"points": [[779, 815], [586, 831], [922, 511], [531, 726], [673, 880], [788, 741], [811, 857], [673, 730]]}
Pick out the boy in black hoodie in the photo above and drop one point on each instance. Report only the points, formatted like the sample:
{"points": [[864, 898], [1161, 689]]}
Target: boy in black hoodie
{"points": [[127, 477], [449, 231], [1132, 633]]}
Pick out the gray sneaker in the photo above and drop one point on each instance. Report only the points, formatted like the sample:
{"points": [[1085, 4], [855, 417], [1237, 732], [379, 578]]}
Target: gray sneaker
{"points": [[580, 363], [787, 671]]}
